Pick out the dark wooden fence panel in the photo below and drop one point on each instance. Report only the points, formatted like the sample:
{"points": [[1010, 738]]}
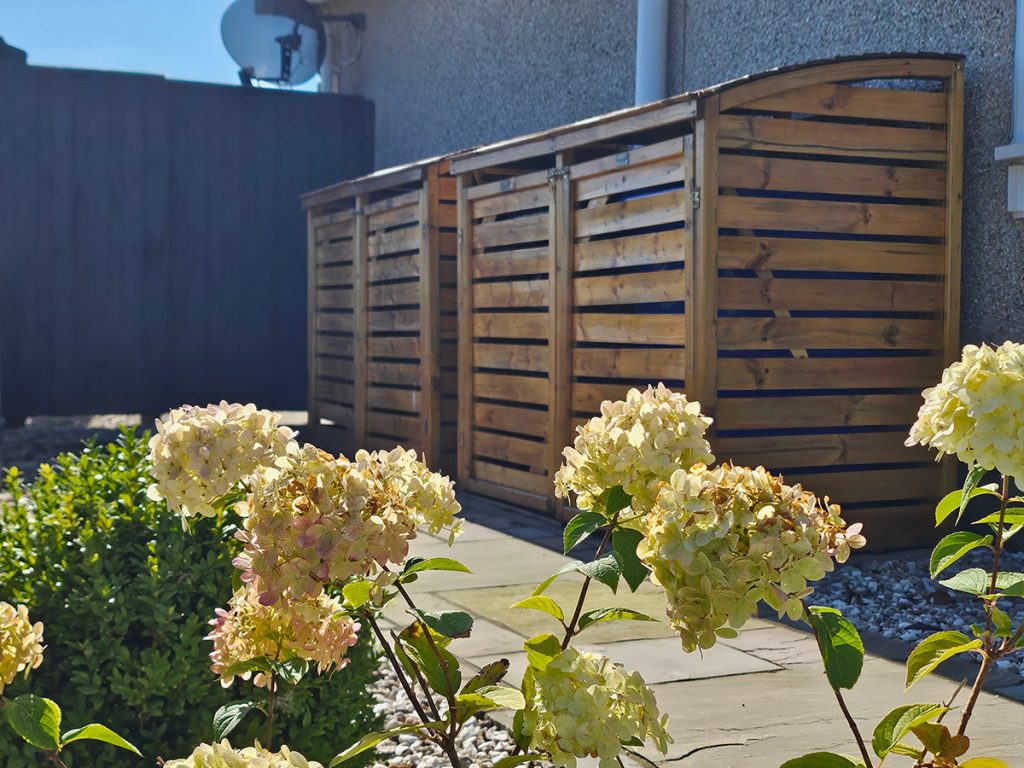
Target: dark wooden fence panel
{"points": [[152, 250]]}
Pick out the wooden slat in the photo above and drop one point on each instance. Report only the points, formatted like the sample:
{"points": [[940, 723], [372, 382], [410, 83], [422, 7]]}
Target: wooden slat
{"points": [[396, 346], [336, 391], [394, 217], [326, 219], [516, 389], [512, 478], [829, 216], [392, 373], [630, 329], [334, 275], [818, 138], [389, 203], [587, 397], [508, 185], [335, 368], [340, 414], [630, 179], [329, 253], [624, 162], [430, 308], [816, 411], [524, 229], [635, 288], [464, 374], [518, 293], [339, 322], [828, 333], [394, 268], [395, 320], [394, 294], [337, 231], [526, 421], [772, 253], [397, 241], [879, 485], [770, 373], [513, 450], [512, 202], [391, 398], [765, 292], [777, 174], [393, 424], [339, 346], [839, 100], [334, 298], [525, 261], [649, 211], [779, 452], [629, 363], [632, 250], [516, 357], [511, 325]]}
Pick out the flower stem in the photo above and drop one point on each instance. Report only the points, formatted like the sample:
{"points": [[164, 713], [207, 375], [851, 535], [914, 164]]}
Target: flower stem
{"points": [[270, 710], [570, 628], [395, 665]]}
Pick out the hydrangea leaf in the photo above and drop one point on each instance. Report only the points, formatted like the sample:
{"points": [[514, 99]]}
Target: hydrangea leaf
{"points": [[822, 760], [983, 762], [430, 656], [490, 674], [513, 760], [952, 501], [36, 720], [897, 724], [503, 696], [541, 603], [975, 581], [452, 624], [580, 527], [611, 614], [371, 740], [953, 547], [624, 544], [615, 500], [434, 564], [605, 569], [98, 732], [290, 671], [934, 650], [567, 568], [841, 647], [227, 718], [540, 650], [357, 593]]}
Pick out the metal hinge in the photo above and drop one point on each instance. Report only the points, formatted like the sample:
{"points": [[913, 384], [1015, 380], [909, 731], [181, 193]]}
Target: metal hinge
{"points": [[695, 194], [557, 173]]}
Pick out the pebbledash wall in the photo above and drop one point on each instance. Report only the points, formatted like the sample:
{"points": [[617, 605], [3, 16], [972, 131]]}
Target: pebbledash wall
{"points": [[448, 74]]}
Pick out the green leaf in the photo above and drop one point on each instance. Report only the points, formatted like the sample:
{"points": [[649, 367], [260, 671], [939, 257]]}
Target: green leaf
{"points": [[503, 696], [580, 527], [567, 568], [290, 671], [934, 650], [540, 650], [541, 603], [452, 624], [970, 485], [1016, 589], [227, 718], [932, 736], [489, 675], [513, 760], [1001, 622], [822, 760], [98, 732], [953, 547], [975, 581], [951, 501], [983, 762], [624, 543], [434, 564], [36, 720], [615, 500], [1011, 516], [259, 664], [611, 614], [605, 569], [417, 652], [897, 724], [357, 593], [371, 740], [841, 647]]}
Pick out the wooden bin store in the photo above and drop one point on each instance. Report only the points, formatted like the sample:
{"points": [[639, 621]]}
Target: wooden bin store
{"points": [[382, 310], [785, 248]]}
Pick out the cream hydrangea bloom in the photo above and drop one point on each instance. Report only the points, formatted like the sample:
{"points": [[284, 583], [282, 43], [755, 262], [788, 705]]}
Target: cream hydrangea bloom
{"points": [[200, 454], [584, 705], [21, 643], [222, 755], [720, 540], [314, 629], [327, 519], [636, 443], [977, 411]]}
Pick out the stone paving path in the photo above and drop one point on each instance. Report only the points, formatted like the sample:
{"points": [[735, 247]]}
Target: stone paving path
{"points": [[754, 702]]}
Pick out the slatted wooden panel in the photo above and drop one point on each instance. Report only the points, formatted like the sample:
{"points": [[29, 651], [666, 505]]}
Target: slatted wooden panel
{"points": [[834, 234], [385, 321], [506, 325], [631, 240]]}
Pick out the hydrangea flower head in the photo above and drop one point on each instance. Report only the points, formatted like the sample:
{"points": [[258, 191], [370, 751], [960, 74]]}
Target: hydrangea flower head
{"points": [[222, 755], [200, 454], [584, 705], [721, 540], [636, 443], [314, 629], [21, 643], [977, 411]]}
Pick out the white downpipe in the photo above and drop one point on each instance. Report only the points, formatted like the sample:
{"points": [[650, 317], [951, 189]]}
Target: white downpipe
{"points": [[1013, 153], [652, 49]]}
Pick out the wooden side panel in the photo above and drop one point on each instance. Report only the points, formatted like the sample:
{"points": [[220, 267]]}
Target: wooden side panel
{"points": [[836, 292]]}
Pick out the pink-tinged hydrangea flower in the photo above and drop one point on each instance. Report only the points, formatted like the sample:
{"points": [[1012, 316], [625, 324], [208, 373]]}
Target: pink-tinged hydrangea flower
{"points": [[327, 519], [21, 643], [584, 705], [636, 443], [720, 540], [222, 755], [977, 411], [200, 454], [314, 629]]}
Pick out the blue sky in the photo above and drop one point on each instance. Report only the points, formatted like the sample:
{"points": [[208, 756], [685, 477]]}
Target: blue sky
{"points": [[179, 39]]}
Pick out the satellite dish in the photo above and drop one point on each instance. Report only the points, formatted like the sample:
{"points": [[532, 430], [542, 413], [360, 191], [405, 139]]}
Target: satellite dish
{"points": [[277, 41]]}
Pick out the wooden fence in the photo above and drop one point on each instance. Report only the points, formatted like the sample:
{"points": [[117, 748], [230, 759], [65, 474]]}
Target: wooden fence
{"points": [[785, 248], [151, 252], [382, 312]]}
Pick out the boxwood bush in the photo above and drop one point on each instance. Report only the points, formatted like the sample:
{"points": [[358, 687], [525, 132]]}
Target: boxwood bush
{"points": [[125, 595]]}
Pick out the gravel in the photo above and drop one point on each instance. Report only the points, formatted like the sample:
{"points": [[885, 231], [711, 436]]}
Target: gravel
{"points": [[895, 597]]}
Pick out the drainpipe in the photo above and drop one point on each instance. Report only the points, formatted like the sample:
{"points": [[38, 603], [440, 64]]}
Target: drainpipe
{"points": [[1013, 153], [652, 50]]}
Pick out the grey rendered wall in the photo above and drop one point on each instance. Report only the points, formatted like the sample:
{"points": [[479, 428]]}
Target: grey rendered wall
{"points": [[447, 74]]}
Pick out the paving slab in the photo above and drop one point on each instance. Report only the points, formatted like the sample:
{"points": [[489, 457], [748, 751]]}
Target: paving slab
{"points": [[777, 644]]}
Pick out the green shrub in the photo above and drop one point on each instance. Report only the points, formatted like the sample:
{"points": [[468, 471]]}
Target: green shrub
{"points": [[125, 595]]}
